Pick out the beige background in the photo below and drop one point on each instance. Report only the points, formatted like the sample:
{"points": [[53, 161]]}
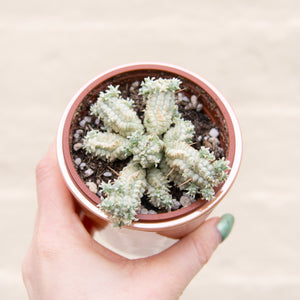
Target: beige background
{"points": [[248, 49]]}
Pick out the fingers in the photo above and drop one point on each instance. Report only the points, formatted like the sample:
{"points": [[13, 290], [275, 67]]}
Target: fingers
{"points": [[55, 202], [91, 225], [185, 258], [60, 221]]}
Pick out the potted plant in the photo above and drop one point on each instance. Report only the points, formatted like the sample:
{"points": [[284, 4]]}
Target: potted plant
{"points": [[149, 146]]}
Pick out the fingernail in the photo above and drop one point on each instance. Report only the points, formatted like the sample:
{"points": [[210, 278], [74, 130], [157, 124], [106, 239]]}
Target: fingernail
{"points": [[225, 225]]}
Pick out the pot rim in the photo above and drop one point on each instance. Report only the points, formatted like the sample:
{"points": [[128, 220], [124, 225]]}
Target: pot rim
{"points": [[233, 131]]}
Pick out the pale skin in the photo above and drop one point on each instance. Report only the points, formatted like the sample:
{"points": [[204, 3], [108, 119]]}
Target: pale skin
{"points": [[65, 262]]}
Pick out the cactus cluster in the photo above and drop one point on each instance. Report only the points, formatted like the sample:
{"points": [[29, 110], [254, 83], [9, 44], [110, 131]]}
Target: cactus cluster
{"points": [[160, 148]]}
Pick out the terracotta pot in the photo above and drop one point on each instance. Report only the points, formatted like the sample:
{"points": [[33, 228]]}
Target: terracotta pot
{"points": [[179, 222]]}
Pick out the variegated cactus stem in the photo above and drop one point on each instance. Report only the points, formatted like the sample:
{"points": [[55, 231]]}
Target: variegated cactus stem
{"points": [[158, 189], [106, 146], [117, 113], [183, 131], [123, 197], [147, 149], [160, 107], [194, 168], [160, 148]]}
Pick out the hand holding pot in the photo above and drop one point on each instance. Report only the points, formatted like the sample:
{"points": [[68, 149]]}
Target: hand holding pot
{"points": [[65, 262]]}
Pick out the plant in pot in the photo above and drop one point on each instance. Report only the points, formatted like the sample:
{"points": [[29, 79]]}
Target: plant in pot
{"points": [[149, 146]]}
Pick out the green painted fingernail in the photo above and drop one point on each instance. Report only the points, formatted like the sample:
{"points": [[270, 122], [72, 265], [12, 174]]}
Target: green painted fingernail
{"points": [[225, 225]]}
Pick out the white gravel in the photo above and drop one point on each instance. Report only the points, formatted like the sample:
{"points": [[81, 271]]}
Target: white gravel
{"points": [[88, 172], [144, 211], [107, 174], [176, 204], [92, 186], [185, 201], [82, 123], [77, 161], [199, 107], [82, 166], [194, 101], [214, 132], [77, 146]]}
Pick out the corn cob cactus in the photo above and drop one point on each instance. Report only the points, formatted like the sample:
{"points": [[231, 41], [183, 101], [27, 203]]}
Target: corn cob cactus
{"points": [[123, 196], [159, 147], [147, 150], [183, 131], [106, 146], [116, 112], [161, 107], [158, 189], [198, 170]]}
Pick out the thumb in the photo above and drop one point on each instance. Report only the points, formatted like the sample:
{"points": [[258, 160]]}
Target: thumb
{"points": [[184, 259], [55, 202]]}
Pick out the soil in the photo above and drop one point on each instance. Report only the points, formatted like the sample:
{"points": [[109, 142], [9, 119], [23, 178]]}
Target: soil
{"points": [[91, 169]]}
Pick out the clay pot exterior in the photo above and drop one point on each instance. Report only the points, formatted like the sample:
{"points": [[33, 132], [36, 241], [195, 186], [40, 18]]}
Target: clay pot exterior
{"points": [[182, 221]]}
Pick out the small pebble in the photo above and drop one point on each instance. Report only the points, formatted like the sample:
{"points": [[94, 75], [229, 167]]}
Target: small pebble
{"points": [[135, 84], [214, 132], [97, 121], [82, 166], [186, 195], [92, 186], [199, 138], [176, 204], [77, 161], [185, 201], [179, 97], [207, 144], [82, 123], [79, 131], [152, 212], [144, 211], [189, 106], [194, 101], [88, 119], [77, 146], [76, 136], [185, 98], [199, 107], [192, 199], [107, 174], [140, 208], [99, 194], [214, 141], [88, 172]]}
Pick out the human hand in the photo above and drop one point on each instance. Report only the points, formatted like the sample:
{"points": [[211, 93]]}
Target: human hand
{"points": [[65, 262]]}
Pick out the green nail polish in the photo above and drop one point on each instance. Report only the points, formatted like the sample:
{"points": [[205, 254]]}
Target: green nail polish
{"points": [[225, 225]]}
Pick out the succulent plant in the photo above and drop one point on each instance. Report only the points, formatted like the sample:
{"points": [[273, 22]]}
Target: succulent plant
{"points": [[158, 189], [160, 148], [123, 197], [116, 112]]}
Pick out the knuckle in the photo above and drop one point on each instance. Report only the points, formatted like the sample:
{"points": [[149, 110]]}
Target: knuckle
{"points": [[46, 254], [43, 168], [26, 269], [45, 247], [202, 251]]}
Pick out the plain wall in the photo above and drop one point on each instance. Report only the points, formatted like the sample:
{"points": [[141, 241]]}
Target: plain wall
{"points": [[248, 49]]}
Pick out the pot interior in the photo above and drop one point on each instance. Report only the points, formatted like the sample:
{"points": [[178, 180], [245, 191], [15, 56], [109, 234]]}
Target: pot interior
{"points": [[212, 107]]}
